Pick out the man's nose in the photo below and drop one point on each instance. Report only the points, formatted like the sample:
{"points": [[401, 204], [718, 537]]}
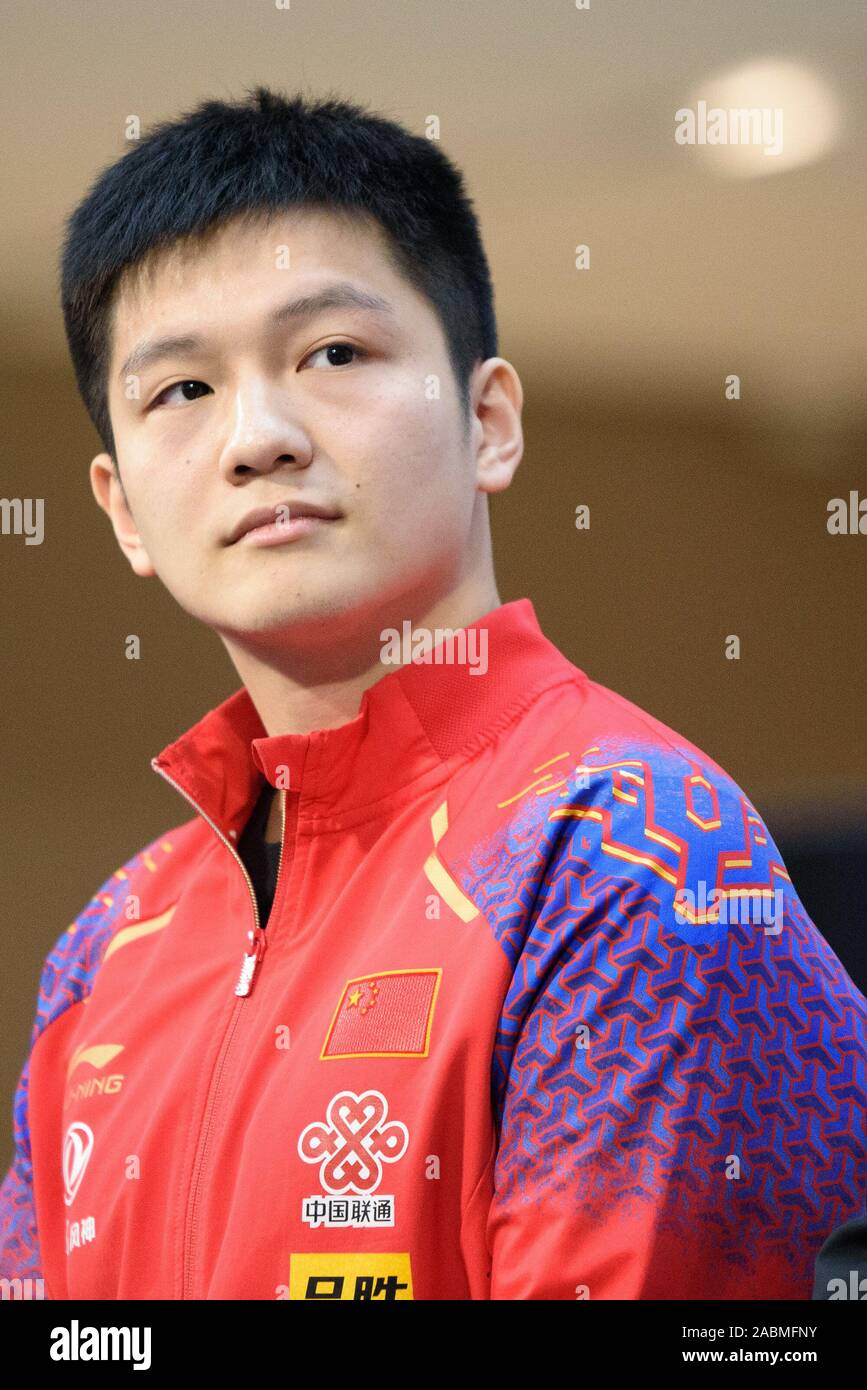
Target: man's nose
{"points": [[264, 431]]}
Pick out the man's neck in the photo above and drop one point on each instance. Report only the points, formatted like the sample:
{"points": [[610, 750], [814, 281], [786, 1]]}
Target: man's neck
{"points": [[319, 683]]}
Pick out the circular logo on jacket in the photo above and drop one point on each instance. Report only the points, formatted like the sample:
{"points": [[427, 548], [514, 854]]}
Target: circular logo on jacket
{"points": [[77, 1148]]}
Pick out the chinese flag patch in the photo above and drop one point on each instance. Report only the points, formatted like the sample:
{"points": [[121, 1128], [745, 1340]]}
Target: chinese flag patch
{"points": [[386, 1015]]}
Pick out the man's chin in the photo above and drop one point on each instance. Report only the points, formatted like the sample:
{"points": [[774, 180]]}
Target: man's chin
{"points": [[307, 620]]}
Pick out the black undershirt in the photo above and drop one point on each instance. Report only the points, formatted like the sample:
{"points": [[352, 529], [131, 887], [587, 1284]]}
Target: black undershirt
{"points": [[261, 857]]}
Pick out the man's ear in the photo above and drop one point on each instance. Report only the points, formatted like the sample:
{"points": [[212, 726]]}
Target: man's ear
{"points": [[109, 493], [498, 397]]}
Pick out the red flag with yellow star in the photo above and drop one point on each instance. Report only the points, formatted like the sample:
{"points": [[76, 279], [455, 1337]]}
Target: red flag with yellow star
{"points": [[384, 1015]]}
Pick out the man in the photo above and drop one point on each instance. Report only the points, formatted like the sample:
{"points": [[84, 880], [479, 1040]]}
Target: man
{"points": [[466, 978]]}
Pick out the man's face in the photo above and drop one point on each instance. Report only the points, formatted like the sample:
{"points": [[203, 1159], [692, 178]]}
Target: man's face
{"points": [[336, 407]]}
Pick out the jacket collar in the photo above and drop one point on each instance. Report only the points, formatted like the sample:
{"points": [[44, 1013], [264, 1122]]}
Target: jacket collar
{"points": [[410, 722]]}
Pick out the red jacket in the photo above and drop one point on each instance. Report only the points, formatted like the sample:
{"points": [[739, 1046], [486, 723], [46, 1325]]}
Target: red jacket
{"points": [[500, 1038]]}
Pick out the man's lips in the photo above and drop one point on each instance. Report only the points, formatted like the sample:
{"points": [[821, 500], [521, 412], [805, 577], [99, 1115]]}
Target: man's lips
{"points": [[284, 520]]}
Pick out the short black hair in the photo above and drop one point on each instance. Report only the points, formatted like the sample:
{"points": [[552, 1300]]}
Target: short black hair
{"points": [[265, 154]]}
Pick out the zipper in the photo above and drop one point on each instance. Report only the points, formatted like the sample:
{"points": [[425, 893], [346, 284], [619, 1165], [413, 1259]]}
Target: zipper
{"points": [[252, 960], [256, 936]]}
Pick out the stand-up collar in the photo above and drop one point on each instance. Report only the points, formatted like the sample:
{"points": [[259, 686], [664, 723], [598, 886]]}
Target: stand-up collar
{"points": [[409, 721]]}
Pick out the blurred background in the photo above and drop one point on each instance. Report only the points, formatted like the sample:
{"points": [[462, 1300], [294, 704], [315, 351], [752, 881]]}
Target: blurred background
{"points": [[708, 515]]}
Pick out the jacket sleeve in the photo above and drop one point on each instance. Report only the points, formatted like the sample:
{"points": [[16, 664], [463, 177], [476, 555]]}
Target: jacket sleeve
{"points": [[67, 976], [19, 1238], [680, 1101], [19, 1241]]}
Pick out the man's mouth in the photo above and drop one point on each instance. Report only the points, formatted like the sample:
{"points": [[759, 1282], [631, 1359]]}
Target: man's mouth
{"points": [[279, 532], [285, 521]]}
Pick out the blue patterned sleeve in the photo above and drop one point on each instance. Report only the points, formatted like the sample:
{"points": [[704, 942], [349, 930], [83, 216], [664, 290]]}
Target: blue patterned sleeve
{"points": [[680, 1069], [67, 976], [19, 1240]]}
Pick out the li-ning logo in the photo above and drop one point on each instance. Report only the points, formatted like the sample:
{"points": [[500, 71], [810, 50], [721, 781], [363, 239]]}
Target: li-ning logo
{"points": [[355, 1141], [98, 1057], [77, 1148]]}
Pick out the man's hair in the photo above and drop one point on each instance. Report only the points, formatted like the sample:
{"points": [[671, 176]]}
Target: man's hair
{"points": [[257, 157]]}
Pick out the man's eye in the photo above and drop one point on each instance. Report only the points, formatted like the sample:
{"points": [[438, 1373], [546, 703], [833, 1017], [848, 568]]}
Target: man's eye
{"points": [[337, 357], [178, 386], [337, 354]]}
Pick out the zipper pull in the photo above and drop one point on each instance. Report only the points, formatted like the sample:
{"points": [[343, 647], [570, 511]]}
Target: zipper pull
{"points": [[256, 938]]}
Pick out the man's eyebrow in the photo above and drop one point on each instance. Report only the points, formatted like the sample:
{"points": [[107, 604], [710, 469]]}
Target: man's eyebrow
{"points": [[339, 296]]}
